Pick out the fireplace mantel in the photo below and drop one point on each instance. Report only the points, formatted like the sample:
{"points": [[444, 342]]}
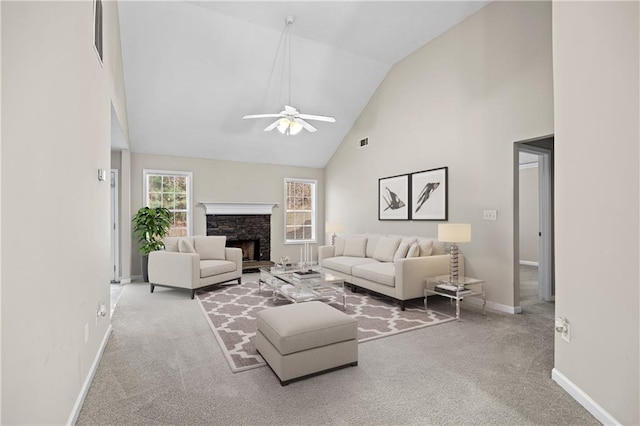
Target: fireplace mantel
{"points": [[219, 208]]}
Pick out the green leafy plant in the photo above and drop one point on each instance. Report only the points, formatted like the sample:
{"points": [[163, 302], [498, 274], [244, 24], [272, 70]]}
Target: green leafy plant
{"points": [[151, 225]]}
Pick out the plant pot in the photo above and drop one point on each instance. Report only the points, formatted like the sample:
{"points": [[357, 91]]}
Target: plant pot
{"points": [[145, 268]]}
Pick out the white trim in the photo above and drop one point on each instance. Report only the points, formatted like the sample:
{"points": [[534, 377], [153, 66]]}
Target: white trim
{"points": [[73, 417], [493, 306], [529, 263], [585, 400], [221, 207], [314, 228], [135, 278], [125, 280], [115, 210]]}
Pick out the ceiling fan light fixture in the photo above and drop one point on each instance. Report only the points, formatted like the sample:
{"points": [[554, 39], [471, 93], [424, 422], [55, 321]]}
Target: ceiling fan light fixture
{"points": [[286, 126]]}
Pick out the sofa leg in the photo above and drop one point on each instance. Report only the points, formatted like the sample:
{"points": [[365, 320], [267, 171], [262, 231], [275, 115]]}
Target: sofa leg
{"points": [[402, 305], [193, 294], [354, 289], [240, 280], [151, 287]]}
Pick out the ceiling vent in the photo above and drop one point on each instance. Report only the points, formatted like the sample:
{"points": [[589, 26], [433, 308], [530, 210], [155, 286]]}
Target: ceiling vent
{"points": [[363, 142]]}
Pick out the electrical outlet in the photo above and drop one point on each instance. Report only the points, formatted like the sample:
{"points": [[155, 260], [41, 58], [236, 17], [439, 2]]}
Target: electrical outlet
{"points": [[564, 328], [490, 215], [86, 333]]}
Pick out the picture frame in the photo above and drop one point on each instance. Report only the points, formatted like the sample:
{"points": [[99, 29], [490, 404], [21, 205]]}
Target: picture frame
{"points": [[430, 194], [393, 198]]}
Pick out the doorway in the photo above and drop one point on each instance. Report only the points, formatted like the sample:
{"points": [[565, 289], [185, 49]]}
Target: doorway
{"points": [[534, 277], [115, 252]]}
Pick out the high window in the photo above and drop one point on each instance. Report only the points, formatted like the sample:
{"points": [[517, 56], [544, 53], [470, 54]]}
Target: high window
{"points": [[171, 190], [300, 213]]}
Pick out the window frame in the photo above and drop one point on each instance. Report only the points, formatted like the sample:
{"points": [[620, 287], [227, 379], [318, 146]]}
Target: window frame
{"points": [[188, 175], [314, 210]]}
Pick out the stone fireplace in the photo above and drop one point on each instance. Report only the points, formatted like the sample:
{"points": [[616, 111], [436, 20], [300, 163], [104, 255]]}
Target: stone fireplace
{"points": [[247, 226]]}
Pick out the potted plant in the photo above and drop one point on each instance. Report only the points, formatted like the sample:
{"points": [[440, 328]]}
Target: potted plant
{"points": [[151, 225]]}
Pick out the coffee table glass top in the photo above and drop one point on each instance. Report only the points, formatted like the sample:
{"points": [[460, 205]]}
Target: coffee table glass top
{"points": [[283, 283]]}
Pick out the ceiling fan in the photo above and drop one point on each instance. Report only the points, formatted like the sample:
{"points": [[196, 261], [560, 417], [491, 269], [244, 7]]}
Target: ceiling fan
{"points": [[289, 121]]}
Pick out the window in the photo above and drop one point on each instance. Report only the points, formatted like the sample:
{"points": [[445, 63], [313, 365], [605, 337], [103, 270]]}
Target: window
{"points": [[300, 213], [171, 190]]}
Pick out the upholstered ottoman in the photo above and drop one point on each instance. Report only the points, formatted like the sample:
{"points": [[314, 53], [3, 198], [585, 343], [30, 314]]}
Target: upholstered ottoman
{"points": [[306, 339]]}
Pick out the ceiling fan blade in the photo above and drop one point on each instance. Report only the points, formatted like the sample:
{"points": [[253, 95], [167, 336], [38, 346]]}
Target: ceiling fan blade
{"points": [[262, 116], [317, 117], [306, 125], [272, 126]]}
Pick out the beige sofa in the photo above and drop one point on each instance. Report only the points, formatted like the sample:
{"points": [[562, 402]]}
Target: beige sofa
{"points": [[194, 262], [393, 265]]}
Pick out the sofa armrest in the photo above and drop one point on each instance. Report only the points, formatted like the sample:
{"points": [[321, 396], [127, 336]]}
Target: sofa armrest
{"points": [[325, 252], [233, 254], [412, 272], [174, 269]]}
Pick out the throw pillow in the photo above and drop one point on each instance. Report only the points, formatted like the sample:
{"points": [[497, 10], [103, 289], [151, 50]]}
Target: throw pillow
{"points": [[401, 253], [414, 250], [339, 247], [171, 244], [211, 248], [426, 247], [372, 242], [386, 249], [355, 246], [184, 246]]}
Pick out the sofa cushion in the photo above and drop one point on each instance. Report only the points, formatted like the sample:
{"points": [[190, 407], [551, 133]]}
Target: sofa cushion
{"points": [[355, 247], [402, 250], [426, 246], [211, 248], [372, 242], [386, 249], [344, 264], [215, 267], [340, 243], [381, 273], [414, 250], [185, 246]]}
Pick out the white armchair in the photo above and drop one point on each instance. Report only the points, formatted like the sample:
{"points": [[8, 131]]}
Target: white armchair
{"points": [[194, 262]]}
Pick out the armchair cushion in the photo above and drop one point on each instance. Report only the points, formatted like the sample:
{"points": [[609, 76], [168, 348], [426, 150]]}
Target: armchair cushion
{"points": [[211, 247], [185, 246], [209, 268]]}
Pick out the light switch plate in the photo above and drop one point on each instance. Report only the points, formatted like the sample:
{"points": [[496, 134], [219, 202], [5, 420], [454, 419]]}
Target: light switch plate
{"points": [[490, 215]]}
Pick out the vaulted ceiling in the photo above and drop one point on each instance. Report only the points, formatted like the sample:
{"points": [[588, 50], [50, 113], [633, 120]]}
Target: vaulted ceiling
{"points": [[193, 69]]}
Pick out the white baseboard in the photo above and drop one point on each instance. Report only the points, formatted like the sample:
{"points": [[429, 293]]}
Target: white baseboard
{"points": [[75, 412], [493, 306], [585, 400], [125, 280], [135, 278], [529, 263]]}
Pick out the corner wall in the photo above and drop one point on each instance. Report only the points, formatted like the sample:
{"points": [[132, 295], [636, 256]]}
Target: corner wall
{"points": [[217, 180], [596, 74], [460, 101], [55, 213]]}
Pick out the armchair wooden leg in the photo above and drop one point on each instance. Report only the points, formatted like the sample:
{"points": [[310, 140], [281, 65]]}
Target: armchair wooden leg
{"points": [[151, 287]]}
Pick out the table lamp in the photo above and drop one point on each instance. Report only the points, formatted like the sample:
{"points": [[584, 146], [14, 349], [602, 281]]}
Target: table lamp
{"points": [[454, 233], [334, 228]]}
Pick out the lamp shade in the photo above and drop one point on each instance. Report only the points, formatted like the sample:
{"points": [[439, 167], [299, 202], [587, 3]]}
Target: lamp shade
{"points": [[454, 232], [334, 228]]}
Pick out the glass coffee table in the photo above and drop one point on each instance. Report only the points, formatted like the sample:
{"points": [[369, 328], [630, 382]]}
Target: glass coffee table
{"points": [[284, 284]]}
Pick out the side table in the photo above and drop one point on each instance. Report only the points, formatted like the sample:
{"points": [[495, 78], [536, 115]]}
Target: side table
{"points": [[470, 287]]}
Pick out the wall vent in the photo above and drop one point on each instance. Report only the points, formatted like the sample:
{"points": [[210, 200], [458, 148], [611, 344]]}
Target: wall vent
{"points": [[363, 142]]}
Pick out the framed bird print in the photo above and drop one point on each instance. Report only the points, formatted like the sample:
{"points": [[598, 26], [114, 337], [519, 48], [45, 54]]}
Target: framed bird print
{"points": [[429, 194], [393, 198]]}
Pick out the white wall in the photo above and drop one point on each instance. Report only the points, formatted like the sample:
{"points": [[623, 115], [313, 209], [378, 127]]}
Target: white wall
{"points": [[216, 180], [596, 74], [460, 101], [529, 224], [55, 213]]}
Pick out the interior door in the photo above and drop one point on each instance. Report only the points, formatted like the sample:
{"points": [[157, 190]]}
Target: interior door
{"points": [[114, 227]]}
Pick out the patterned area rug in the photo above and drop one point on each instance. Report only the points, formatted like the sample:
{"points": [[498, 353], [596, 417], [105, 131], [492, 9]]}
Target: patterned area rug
{"points": [[231, 312]]}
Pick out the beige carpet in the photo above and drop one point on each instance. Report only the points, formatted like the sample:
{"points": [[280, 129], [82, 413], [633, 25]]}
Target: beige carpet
{"points": [[231, 313]]}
